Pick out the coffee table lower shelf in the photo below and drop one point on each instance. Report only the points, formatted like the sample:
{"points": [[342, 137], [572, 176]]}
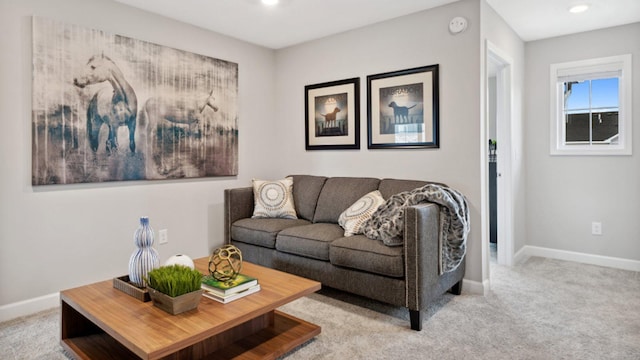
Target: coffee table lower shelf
{"points": [[286, 333]]}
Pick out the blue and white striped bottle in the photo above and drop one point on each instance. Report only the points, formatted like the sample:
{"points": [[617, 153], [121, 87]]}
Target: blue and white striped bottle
{"points": [[146, 257]]}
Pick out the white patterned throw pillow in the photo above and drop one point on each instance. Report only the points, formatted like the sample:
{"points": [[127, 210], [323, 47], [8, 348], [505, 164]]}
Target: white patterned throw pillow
{"points": [[274, 199], [352, 219]]}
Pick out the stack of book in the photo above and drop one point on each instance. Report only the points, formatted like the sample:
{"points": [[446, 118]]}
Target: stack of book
{"points": [[228, 291]]}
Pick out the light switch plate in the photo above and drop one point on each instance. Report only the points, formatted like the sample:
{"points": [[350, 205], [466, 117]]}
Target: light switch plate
{"points": [[163, 236]]}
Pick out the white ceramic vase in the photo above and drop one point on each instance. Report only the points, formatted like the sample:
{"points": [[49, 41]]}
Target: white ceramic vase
{"points": [[180, 259], [145, 258]]}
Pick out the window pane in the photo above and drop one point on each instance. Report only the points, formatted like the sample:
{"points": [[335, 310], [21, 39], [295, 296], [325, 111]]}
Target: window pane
{"points": [[604, 93], [605, 127], [577, 128], [589, 113], [576, 95]]}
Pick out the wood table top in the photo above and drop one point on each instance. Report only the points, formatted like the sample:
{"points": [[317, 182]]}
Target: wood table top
{"points": [[150, 332]]}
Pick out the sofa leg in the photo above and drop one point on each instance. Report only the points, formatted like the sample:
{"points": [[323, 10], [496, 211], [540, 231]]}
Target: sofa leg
{"points": [[457, 288], [416, 319]]}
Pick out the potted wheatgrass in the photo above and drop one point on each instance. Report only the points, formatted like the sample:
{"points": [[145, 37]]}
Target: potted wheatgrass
{"points": [[175, 288]]}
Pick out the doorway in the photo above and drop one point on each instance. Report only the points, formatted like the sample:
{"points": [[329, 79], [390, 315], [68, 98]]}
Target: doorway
{"points": [[499, 161]]}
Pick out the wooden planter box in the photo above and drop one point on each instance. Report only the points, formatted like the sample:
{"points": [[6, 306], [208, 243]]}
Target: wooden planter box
{"points": [[122, 283], [178, 304]]}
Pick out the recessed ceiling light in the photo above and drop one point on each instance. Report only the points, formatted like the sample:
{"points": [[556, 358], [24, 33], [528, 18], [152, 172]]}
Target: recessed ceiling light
{"points": [[578, 8], [270, 2]]}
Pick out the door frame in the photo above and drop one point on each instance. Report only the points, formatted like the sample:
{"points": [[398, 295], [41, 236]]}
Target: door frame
{"points": [[504, 116]]}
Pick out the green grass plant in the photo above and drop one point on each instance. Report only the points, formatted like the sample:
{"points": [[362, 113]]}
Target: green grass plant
{"points": [[174, 280]]}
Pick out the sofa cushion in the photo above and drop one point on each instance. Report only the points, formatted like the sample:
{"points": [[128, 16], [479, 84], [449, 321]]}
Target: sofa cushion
{"points": [[310, 241], [390, 187], [273, 199], [306, 189], [338, 193], [360, 211], [359, 252], [261, 232]]}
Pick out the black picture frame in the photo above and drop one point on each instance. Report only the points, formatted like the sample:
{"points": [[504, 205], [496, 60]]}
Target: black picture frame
{"points": [[391, 97], [332, 115]]}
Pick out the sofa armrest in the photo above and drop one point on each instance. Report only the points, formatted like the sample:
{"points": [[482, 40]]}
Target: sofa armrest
{"points": [[422, 253], [422, 258], [238, 204]]}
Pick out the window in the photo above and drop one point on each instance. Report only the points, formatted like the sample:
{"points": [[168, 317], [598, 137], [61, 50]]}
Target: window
{"points": [[591, 107]]}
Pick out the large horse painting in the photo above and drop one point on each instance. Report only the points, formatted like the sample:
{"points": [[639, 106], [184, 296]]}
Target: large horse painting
{"points": [[111, 108]]}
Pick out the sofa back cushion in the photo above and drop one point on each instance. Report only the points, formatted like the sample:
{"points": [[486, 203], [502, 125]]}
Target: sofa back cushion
{"points": [[306, 189], [390, 187], [338, 193]]}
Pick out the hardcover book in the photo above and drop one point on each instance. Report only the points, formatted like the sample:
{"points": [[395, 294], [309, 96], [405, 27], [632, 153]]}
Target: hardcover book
{"points": [[230, 297], [240, 283]]}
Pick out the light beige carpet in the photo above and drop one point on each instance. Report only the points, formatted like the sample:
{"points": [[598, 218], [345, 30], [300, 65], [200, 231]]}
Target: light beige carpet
{"points": [[540, 309]]}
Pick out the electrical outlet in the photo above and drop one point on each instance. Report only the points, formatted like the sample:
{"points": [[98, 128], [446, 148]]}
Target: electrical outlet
{"points": [[163, 236], [596, 228]]}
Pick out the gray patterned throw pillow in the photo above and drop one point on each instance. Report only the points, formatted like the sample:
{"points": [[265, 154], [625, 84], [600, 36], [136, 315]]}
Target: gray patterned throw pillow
{"points": [[352, 219], [274, 199]]}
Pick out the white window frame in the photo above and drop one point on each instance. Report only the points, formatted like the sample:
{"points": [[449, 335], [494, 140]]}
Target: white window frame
{"points": [[591, 69]]}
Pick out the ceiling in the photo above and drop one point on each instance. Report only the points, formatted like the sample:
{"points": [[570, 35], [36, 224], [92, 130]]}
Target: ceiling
{"points": [[540, 19], [295, 21]]}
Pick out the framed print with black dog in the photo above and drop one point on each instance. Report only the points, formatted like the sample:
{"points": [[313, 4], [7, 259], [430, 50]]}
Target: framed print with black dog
{"points": [[332, 115], [403, 109]]}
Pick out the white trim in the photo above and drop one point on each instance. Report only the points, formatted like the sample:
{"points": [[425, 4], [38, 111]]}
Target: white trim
{"points": [[521, 255], [588, 69], [32, 306], [608, 261], [505, 155], [470, 287], [29, 306]]}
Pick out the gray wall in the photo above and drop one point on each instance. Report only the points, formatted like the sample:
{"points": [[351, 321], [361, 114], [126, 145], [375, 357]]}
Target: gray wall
{"points": [[566, 193], [496, 30], [76, 234], [410, 41], [491, 104], [57, 237]]}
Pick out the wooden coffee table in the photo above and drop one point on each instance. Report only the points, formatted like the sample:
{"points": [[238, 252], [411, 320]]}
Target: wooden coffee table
{"points": [[100, 321]]}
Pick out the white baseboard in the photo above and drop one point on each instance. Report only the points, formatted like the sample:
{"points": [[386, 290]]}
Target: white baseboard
{"points": [[471, 287], [618, 263], [521, 255], [31, 306], [28, 307]]}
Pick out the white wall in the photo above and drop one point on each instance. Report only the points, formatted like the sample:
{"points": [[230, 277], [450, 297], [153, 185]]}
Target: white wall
{"points": [[57, 237], [410, 41], [566, 193]]}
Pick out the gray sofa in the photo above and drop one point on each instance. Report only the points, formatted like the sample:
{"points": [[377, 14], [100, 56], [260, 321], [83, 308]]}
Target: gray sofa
{"points": [[314, 246]]}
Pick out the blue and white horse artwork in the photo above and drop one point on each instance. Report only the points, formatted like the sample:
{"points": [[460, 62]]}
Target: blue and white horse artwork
{"points": [[177, 129], [168, 111], [113, 107]]}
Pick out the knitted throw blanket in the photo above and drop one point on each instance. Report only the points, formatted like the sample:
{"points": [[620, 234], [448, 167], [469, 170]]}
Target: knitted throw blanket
{"points": [[387, 223]]}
